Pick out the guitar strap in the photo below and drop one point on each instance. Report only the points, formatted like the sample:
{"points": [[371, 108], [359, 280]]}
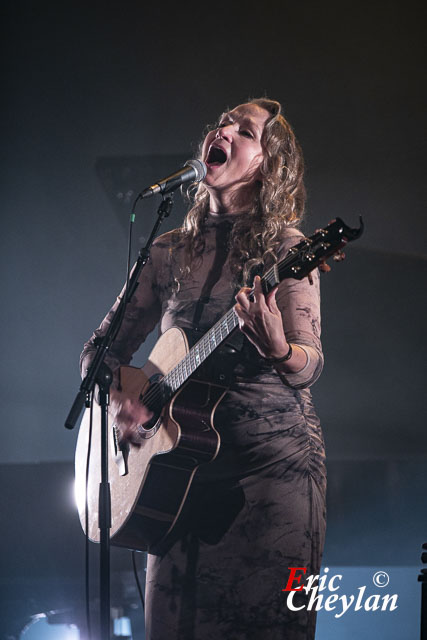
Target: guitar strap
{"points": [[221, 365], [222, 240]]}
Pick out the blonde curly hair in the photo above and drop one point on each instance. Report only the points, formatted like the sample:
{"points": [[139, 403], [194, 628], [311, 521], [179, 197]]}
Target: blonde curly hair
{"points": [[279, 200]]}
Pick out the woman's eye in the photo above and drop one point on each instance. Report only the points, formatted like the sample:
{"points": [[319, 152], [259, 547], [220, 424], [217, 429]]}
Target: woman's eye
{"points": [[246, 133]]}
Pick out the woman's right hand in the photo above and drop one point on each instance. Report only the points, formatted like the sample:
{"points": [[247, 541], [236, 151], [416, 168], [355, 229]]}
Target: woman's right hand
{"points": [[129, 414]]}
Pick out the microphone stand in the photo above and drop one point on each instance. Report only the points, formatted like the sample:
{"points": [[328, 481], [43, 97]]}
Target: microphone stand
{"points": [[99, 373]]}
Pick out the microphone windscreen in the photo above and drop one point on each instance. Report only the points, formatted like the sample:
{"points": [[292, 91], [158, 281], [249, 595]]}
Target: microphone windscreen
{"points": [[199, 167]]}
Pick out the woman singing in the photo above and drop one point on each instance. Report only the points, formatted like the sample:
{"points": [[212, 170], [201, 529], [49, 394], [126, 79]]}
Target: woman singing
{"points": [[258, 509]]}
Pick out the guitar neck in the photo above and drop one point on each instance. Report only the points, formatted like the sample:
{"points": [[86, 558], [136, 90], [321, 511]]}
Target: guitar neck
{"points": [[299, 261], [199, 353]]}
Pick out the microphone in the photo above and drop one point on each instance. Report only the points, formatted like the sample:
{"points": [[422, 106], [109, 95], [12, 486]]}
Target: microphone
{"points": [[192, 171]]}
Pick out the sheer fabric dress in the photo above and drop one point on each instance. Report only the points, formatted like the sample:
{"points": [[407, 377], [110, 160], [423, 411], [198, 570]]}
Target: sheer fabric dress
{"points": [[259, 507]]}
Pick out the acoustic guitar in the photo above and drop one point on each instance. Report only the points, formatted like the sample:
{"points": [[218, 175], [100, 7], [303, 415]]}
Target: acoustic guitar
{"points": [[149, 483]]}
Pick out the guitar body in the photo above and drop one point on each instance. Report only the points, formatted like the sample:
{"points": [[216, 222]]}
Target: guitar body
{"points": [[149, 483]]}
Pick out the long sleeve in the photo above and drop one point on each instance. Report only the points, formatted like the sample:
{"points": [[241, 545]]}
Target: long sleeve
{"points": [[299, 303], [141, 316]]}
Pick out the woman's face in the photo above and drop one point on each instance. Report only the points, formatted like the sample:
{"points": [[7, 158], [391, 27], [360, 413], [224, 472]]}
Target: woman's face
{"points": [[233, 151]]}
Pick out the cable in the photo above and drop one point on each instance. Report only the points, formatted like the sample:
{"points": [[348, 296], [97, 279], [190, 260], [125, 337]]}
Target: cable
{"points": [[87, 599], [138, 584], [126, 291]]}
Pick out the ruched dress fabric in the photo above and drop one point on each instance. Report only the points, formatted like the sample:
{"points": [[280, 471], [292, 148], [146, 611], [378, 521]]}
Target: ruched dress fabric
{"points": [[259, 507]]}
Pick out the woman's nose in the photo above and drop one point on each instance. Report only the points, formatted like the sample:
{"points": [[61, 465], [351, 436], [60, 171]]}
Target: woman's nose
{"points": [[225, 132]]}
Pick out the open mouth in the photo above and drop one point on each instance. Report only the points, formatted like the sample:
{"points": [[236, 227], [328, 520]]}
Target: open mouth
{"points": [[216, 156]]}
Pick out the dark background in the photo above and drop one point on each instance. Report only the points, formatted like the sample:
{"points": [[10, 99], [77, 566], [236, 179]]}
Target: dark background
{"points": [[100, 100]]}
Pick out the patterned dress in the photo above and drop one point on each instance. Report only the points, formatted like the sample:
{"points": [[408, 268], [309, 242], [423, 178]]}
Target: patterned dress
{"points": [[259, 507]]}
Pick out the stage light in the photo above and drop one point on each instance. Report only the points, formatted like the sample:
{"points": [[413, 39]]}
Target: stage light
{"points": [[122, 628], [80, 493], [40, 629]]}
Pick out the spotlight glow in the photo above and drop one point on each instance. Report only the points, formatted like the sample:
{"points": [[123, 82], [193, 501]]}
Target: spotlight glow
{"points": [[40, 629], [80, 493]]}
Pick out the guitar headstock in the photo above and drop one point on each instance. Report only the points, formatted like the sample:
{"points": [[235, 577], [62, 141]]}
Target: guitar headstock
{"points": [[313, 252]]}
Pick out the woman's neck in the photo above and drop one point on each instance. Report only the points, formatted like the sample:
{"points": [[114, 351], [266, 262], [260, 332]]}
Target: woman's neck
{"points": [[229, 203]]}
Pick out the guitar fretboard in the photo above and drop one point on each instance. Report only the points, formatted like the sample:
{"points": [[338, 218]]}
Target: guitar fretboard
{"points": [[199, 352]]}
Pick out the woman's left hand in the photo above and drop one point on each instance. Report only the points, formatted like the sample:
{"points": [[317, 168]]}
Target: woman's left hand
{"points": [[261, 321]]}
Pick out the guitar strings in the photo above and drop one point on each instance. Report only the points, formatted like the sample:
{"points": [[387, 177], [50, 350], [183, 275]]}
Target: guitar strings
{"points": [[193, 359]]}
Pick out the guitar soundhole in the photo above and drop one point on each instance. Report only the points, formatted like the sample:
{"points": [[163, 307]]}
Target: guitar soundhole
{"points": [[153, 400], [148, 430]]}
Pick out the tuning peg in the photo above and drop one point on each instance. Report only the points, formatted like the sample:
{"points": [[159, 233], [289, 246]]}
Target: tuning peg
{"points": [[323, 266], [338, 256]]}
